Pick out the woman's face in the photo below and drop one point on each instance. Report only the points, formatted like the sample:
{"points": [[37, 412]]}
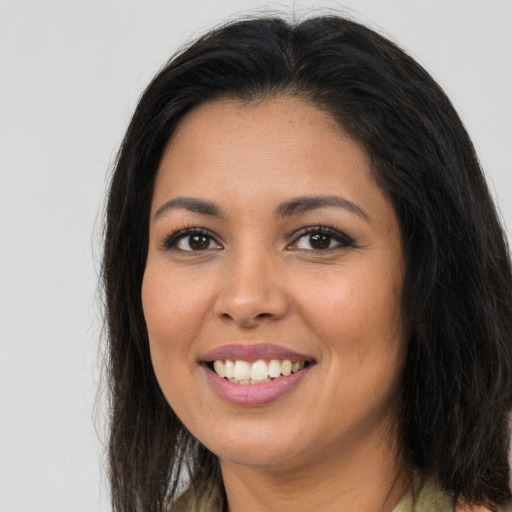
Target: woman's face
{"points": [[271, 246]]}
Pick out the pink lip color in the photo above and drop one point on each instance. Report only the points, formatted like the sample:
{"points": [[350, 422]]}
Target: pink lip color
{"points": [[251, 395], [251, 353]]}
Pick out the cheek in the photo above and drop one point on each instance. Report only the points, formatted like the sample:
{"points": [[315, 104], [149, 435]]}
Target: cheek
{"points": [[174, 314], [174, 307], [355, 307], [357, 318]]}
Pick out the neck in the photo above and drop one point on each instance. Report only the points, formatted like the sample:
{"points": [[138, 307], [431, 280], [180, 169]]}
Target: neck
{"points": [[372, 480]]}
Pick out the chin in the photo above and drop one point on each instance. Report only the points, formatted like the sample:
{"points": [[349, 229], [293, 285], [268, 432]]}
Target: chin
{"points": [[255, 447], [269, 459]]}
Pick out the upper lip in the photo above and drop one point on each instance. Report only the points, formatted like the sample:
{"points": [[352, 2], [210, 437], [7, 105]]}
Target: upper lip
{"points": [[253, 352]]}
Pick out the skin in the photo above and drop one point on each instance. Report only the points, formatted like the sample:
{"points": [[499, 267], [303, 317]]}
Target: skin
{"points": [[330, 443]]}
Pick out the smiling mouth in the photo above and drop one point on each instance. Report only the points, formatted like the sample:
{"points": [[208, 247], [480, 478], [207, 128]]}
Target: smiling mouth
{"points": [[257, 372]]}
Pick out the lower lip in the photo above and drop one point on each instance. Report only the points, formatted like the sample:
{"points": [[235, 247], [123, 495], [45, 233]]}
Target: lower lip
{"points": [[251, 395]]}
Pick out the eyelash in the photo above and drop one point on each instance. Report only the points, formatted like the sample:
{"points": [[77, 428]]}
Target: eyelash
{"points": [[342, 240], [172, 241]]}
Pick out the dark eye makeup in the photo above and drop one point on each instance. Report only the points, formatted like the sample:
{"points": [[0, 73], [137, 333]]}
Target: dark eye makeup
{"points": [[320, 239], [191, 239], [312, 238]]}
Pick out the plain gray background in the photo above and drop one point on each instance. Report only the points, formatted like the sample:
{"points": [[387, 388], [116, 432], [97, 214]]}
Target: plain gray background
{"points": [[70, 75]]}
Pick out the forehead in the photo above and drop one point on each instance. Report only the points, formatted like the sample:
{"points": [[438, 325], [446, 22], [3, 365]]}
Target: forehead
{"points": [[286, 141], [272, 112]]}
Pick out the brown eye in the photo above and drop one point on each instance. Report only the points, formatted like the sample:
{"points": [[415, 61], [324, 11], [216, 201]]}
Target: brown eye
{"points": [[198, 242], [321, 238], [319, 241], [192, 240]]}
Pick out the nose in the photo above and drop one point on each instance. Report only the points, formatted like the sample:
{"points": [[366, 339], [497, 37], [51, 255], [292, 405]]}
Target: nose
{"points": [[252, 292]]}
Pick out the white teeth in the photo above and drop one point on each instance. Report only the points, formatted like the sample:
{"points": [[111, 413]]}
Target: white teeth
{"points": [[260, 381], [297, 366], [286, 367], [259, 370], [229, 369], [220, 368], [274, 368], [243, 372]]}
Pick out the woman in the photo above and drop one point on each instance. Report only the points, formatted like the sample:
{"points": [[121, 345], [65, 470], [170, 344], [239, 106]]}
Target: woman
{"points": [[309, 295]]}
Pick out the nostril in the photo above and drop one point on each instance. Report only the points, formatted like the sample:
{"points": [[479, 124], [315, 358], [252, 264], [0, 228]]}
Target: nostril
{"points": [[262, 316]]}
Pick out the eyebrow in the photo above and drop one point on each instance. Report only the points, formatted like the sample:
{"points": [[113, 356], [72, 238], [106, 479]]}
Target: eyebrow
{"points": [[306, 204], [293, 207], [191, 204]]}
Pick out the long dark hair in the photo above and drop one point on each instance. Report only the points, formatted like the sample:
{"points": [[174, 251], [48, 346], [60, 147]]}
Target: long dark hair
{"points": [[457, 382]]}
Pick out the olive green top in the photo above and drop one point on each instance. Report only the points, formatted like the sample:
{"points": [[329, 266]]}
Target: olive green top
{"points": [[428, 498]]}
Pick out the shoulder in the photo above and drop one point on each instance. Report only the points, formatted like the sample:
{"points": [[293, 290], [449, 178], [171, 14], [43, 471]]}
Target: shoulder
{"points": [[426, 495], [189, 501]]}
